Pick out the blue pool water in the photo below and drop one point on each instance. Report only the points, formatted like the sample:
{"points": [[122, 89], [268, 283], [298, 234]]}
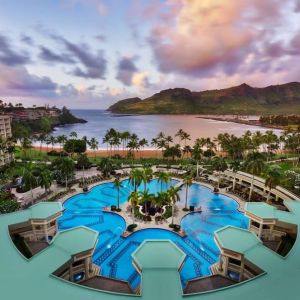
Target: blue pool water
{"points": [[113, 252]]}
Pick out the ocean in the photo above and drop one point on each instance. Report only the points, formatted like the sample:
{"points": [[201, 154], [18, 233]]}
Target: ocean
{"points": [[148, 126]]}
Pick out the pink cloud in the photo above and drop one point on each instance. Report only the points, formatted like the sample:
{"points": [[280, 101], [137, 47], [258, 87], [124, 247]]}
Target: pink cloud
{"points": [[206, 38]]}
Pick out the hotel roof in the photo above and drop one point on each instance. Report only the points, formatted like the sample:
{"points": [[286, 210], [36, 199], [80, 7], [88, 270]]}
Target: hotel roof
{"points": [[154, 254], [237, 239], [76, 240], [44, 210], [31, 279]]}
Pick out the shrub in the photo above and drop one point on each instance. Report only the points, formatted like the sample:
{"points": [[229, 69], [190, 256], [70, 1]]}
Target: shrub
{"points": [[176, 227], [131, 227]]}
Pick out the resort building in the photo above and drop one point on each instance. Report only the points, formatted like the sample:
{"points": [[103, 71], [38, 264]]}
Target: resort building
{"points": [[271, 226], [243, 183], [5, 133], [233, 243], [36, 232], [246, 268], [79, 243]]}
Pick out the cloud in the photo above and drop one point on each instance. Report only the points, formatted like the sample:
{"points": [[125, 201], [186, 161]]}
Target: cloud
{"points": [[101, 38], [205, 38], [51, 57], [125, 70], [94, 65], [9, 56], [141, 80], [27, 39], [98, 5], [18, 81]]}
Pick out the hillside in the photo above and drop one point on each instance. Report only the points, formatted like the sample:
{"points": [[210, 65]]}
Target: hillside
{"points": [[242, 99]]}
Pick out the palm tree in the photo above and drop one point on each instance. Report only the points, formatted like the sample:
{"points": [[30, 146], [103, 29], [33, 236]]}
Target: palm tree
{"points": [[106, 166], [161, 199], [163, 177], [220, 165], [73, 135], [83, 162], [26, 145], [94, 146], [134, 200], [30, 178], [254, 164], [52, 140], [45, 181], [197, 155], [187, 150], [61, 139], [147, 175], [135, 178], [179, 134], [274, 174], [66, 168], [173, 194], [187, 182], [146, 197], [235, 166], [118, 185]]}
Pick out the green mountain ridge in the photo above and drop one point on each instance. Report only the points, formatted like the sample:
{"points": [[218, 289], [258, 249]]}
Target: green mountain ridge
{"points": [[242, 99]]}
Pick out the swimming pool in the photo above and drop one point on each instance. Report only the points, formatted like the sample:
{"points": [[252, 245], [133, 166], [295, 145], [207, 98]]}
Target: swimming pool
{"points": [[113, 252]]}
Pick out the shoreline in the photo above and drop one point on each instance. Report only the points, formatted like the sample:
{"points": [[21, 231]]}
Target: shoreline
{"points": [[241, 121]]}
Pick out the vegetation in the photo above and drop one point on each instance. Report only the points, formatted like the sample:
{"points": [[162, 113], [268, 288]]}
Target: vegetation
{"points": [[243, 99], [261, 154], [280, 120], [8, 203]]}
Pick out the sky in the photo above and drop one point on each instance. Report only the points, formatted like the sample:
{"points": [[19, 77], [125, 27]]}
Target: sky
{"points": [[92, 53]]}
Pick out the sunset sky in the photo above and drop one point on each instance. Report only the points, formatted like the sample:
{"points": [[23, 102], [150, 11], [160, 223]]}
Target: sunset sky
{"points": [[91, 53]]}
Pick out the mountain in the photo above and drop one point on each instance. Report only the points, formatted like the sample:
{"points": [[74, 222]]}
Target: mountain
{"points": [[242, 99]]}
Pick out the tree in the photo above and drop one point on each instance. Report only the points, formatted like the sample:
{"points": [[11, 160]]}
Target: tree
{"points": [[187, 182], [45, 180], [134, 199], [94, 146], [146, 197], [83, 163], [45, 125], [274, 174], [173, 151], [66, 168], [30, 178], [26, 145], [106, 166], [173, 194], [73, 135], [235, 167], [75, 146], [61, 139], [118, 185], [220, 165], [135, 178], [163, 177], [8, 203], [52, 141], [147, 175], [254, 164]]}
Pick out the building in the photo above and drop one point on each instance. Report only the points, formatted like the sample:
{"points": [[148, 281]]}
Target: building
{"points": [[5, 133], [33, 114]]}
